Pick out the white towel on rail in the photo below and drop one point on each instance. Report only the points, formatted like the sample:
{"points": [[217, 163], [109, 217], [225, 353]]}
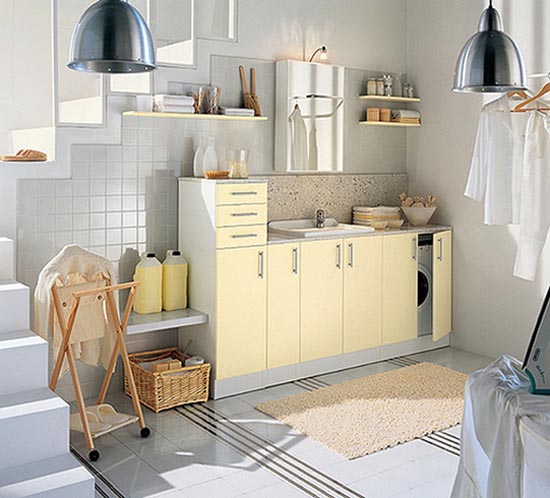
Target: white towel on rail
{"points": [[93, 335], [299, 158]]}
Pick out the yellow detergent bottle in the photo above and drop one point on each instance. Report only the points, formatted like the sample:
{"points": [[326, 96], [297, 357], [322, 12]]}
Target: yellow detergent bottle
{"points": [[174, 281], [149, 293]]}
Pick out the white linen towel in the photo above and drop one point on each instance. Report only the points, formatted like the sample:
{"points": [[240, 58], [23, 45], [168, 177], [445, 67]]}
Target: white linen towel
{"points": [[299, 140], [182, 100], [404, 113]]}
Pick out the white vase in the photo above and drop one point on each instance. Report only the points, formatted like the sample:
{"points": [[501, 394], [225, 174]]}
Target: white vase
{"points": [[198, 160], [210, 161]]}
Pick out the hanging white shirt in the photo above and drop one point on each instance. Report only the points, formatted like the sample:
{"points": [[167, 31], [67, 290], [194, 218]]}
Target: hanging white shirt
{"points": [[535, 203], [497, 162]]}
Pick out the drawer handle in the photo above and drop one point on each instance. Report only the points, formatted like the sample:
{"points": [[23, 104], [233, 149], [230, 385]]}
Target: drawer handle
{"points": [[295, 261], [339, 256], [261, 264], [249, 192], [243, 214], [440, 248], [244, 236], [415, 249], [350, 263]]}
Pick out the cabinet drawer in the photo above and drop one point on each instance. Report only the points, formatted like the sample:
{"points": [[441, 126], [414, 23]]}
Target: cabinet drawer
{"points": [[241, 236], [246, 214], [243, 193]]}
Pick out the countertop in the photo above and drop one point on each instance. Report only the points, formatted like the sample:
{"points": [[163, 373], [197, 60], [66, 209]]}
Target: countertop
{"points": [[280, 239], [222, 180]]}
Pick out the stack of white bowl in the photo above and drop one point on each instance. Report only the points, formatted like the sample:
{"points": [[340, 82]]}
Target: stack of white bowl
{"points": [[377, 217]]}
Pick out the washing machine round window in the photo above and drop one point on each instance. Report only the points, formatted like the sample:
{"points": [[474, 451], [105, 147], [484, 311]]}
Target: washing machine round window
{"points": [[423, 288]]}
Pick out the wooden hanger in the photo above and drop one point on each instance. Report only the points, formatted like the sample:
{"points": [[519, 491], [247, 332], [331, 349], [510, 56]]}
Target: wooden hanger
{"points": [[517, 93], [521, 107]]}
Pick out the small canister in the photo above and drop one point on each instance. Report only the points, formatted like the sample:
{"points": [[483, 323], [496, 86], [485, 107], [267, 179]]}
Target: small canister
{"points": [[410, 92], [388, 85], [373, 114], [371, 86], [385, 115], [380, 86]]}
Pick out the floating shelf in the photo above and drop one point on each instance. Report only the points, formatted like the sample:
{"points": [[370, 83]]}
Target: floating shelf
{"points": [[390, 99], [165, 320], [388, 123], [177, 115]]}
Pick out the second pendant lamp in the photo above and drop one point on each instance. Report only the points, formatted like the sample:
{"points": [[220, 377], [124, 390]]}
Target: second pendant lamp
{"points": [[490, 61], [111, 36]]}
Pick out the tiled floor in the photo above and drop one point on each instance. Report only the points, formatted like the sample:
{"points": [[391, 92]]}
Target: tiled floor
{"points": [[226, 449]]}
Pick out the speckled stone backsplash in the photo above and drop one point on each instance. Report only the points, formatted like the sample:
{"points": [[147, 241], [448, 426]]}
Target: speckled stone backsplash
{"points": [[299, 196]]}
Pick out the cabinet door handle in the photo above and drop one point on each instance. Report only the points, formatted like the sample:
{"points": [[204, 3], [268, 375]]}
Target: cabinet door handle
{"points": [[261, 264], [244, 236], [250, 192], [440, 249], [243, 214], [295, 261], [339, 256], [415, 249], [350, 262]]}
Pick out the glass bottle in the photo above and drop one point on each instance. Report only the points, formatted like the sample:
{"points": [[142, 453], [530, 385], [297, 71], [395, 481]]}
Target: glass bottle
{"points": [[371, 86], [198, 169], [210, 161]]}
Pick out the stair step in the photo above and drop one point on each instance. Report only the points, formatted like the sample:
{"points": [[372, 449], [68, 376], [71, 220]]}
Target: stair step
{"points": [[23, 362], [14, 307], [34, 425], [7, 266], [56, 477]]}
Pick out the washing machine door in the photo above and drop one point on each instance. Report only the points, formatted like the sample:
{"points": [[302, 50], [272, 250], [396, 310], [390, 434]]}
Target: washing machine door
{"points": [[423, 287], [424, 300]]}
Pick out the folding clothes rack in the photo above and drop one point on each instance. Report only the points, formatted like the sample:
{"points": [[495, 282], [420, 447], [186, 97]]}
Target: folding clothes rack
{"points": [[102, 293]]}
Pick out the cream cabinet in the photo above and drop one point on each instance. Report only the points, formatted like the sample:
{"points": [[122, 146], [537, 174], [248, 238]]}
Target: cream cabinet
{"points": [[362, 304], [283, 305], [399, 288], [241, 302], [321, 299], [442, 284]]}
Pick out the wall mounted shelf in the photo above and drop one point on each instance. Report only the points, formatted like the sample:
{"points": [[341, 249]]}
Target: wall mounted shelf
{"points": [[386, 123], [165, 320], [390, 99], [177, 115]]}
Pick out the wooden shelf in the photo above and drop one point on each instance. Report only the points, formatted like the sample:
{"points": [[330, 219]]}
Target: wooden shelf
{"points": [[386, 123], [390, 99], [165, 320], [177, 115]]}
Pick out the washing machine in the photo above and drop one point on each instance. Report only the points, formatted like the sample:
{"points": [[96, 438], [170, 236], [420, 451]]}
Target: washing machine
{"points": [[425, 261]]}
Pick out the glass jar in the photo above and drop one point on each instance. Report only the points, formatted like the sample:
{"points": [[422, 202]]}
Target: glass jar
{"points": [[380, 87], [410, 92], [388, 85], [237, 163], [405, 90], [371, 86]]}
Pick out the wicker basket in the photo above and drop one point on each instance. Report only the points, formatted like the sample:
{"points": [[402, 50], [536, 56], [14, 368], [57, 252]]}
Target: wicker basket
{"points": [[163, 390]]}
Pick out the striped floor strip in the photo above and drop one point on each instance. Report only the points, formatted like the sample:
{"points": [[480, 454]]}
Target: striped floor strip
{"points": [[402, 361], [267, 454], [103, 487]]}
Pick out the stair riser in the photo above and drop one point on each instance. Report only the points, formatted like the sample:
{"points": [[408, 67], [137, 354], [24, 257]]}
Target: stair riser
{"points": [[34, 436], [7, 267], [14, 308], [83, 489], [23, 368]]}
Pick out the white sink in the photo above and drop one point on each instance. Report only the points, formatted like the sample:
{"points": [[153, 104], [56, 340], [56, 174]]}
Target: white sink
{"points": [[308, 228]]}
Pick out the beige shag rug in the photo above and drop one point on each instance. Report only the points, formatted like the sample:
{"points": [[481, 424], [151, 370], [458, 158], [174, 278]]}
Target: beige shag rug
{"points": [[366, 415]]}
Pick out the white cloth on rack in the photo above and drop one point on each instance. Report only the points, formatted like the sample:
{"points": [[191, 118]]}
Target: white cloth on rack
{"points": [[299, 158], [491, 464], [497, 162], [93, 336], [313, 158], [535, 196]]}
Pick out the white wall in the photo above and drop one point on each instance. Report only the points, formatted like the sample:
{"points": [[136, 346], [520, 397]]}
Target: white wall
{"points": [[494, 312]]}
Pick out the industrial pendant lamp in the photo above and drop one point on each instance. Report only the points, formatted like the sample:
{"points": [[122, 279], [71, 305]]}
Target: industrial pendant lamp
{"points": [[111, 36], [490, 61]]}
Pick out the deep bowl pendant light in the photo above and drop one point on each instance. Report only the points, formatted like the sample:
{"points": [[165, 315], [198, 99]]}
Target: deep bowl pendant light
{"points": [[490, 61], [111, 36]]}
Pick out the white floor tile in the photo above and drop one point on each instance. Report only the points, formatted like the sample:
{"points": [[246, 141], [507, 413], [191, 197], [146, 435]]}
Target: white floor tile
{"points": [[212, 489], [387, 459], [350, 471], [229, 406], [282, 490], [440, 488], [335, 378], [424, 470], [253, 479], [379, 486], [322, 458], [256, 397]]}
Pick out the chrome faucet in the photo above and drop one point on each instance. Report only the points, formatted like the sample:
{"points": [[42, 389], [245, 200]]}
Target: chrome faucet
{"points": [[320, 216]]}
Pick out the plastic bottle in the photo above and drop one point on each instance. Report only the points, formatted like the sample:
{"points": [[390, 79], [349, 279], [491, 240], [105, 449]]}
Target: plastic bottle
{"points": [[149, 293], [174, 281], [198, 159], [210, 161]]}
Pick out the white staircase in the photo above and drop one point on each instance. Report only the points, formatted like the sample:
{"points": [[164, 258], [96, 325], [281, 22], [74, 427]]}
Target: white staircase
{"points": [[34, 421]]}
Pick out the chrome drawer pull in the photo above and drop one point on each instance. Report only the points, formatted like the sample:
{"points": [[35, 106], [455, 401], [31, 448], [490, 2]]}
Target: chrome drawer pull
{"points": [[415, 249], [339, 256], [350, 264], [251, 192], [261, 263], [244, 236], [295, 261], [440, 244], [243, 214]]}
